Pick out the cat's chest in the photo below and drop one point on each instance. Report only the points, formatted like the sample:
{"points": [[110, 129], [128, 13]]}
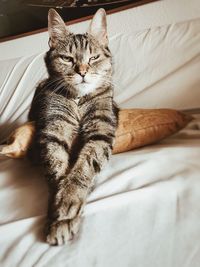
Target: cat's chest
{"points": [[86, 88]]}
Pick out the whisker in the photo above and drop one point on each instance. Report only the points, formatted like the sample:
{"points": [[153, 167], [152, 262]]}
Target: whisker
{"points": [[49, 83]]}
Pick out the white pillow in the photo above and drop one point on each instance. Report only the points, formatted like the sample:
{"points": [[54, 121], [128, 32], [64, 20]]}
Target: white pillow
{"points": [[18, 79], [158, 67]]}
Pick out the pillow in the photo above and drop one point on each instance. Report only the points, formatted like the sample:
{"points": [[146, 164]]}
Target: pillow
{"points": [[140, 127], [158, 67], [18, 79], [137, 127]]}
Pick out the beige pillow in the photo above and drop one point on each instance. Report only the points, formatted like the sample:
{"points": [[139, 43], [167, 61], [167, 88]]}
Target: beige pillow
{"points": [[137, 127], [140, 127]]}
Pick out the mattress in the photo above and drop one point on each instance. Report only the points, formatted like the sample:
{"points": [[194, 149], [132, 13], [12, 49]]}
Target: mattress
{"points": [[144, 209]]}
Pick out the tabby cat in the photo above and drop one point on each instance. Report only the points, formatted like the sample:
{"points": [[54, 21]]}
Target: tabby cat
{"points": [[76, 119]]}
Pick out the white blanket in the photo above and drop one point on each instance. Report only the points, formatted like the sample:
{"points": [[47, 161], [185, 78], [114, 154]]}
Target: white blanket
{"points": [[145, 208], [144, 211]]}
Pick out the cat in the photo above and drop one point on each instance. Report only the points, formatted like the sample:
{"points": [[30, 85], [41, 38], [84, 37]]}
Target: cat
{"points": [[75, 118]]}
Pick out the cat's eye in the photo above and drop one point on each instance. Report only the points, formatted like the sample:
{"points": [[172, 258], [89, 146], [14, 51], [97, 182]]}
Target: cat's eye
{"points": [[95, 57], [67, 58]]}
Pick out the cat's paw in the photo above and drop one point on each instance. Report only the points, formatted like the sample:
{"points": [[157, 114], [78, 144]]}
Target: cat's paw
{"points": [[69, 202], [60, 232], [70, 208]]}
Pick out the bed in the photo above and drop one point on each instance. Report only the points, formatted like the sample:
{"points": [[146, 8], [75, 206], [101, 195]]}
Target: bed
{"points": [[144, 210]]}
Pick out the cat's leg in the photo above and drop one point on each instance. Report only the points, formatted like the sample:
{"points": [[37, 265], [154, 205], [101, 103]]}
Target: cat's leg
{"points": [[71, 197], [60, 228], [68, 203], [54, 144]]}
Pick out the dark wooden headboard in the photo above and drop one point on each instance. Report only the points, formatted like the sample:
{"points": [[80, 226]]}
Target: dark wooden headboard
{"points": [[135, 4]]}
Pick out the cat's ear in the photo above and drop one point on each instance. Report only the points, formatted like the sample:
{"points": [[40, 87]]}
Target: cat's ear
{"points": [[98, 27], [56, 28]]}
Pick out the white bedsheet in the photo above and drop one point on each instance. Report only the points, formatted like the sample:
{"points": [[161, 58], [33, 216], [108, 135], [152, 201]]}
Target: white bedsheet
{"points": [[145, 209]]}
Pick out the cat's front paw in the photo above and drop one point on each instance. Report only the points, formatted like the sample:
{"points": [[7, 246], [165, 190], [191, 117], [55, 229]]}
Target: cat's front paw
{"points": [[70, 209], [70, 203], [60, 232], [64, 215]]}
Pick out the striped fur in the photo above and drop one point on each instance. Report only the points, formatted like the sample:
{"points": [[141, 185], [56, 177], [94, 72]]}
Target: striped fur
{"points": [[75, 123]]}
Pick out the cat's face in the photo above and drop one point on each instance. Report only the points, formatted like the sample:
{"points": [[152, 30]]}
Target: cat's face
{"points": [[83, 60]]}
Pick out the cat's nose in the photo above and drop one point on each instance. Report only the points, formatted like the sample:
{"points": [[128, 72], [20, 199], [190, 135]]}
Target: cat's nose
{"points": [[82, 73], [82, 70]]}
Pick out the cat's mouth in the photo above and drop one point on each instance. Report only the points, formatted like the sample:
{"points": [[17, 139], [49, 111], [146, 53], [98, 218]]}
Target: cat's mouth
{"points": [[79, 80], [83, 81]]}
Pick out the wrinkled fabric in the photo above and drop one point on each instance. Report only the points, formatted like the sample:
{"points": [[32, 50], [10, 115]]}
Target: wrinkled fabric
{"points": [[145, 207]]}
